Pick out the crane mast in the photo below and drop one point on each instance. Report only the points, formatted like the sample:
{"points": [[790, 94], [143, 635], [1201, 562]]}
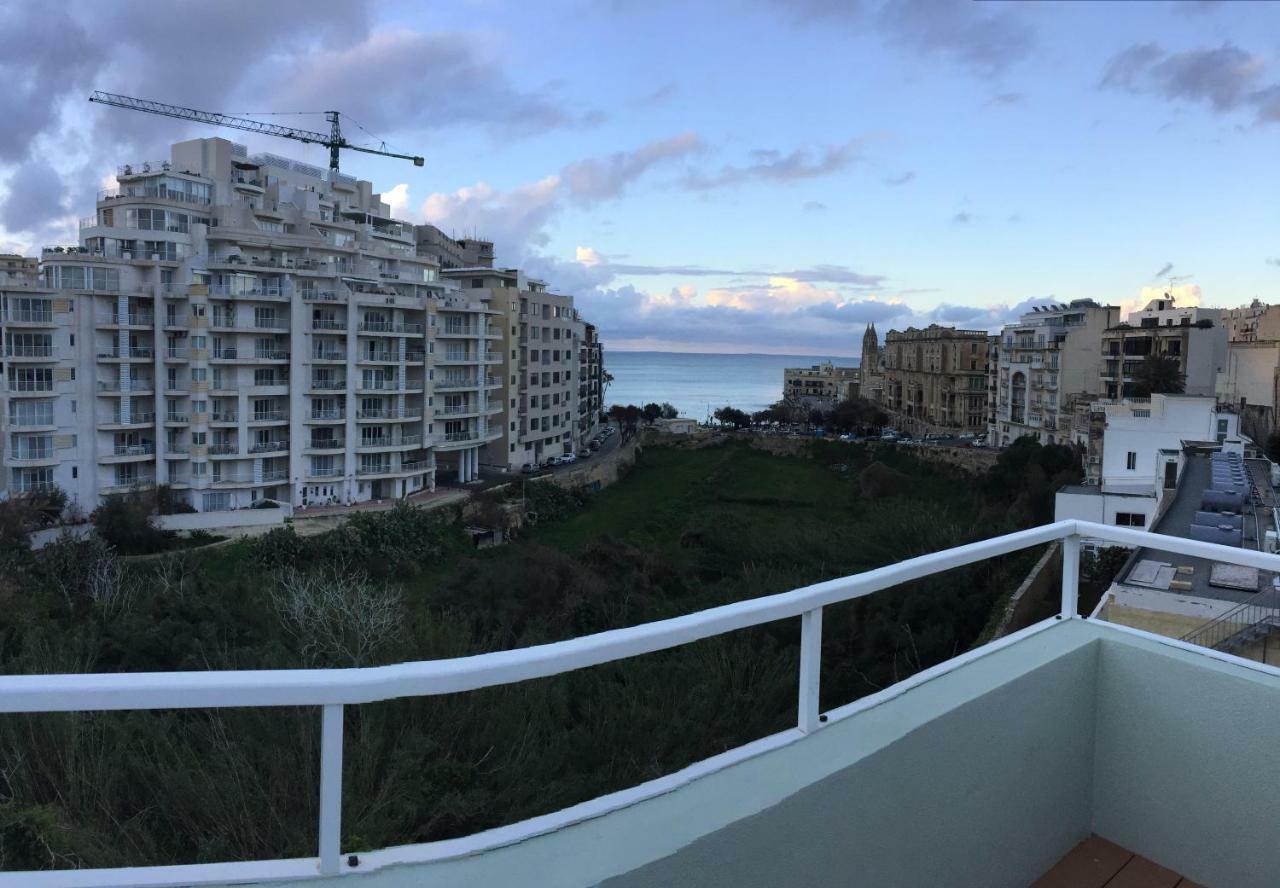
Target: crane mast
{"points": [[334, 140]]}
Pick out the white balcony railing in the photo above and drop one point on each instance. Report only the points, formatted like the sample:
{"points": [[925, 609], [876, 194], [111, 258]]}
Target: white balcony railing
{"points": [[332, 689]]}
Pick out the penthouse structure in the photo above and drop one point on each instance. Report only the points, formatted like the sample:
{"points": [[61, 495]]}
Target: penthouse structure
{"points": [[936, 378], [244, 328], [1194, 337]]}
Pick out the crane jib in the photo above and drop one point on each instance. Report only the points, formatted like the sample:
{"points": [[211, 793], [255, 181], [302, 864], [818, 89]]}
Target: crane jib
{"points": [[334, 141]]}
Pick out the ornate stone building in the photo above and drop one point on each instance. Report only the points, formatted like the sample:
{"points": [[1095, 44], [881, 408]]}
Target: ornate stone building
{"points": [[936, 378]]}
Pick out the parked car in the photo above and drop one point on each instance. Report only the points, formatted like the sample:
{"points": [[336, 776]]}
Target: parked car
{"points": [[889, 436], [594, 446], [529, 468], [584, 454]]}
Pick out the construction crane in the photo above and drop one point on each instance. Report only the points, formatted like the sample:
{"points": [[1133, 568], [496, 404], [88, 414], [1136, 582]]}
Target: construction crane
{"points": [[333, 141]]}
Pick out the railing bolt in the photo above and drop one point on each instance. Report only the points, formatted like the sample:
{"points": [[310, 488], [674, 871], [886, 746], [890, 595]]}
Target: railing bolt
{"points": [[822, 718], [353, 860]]}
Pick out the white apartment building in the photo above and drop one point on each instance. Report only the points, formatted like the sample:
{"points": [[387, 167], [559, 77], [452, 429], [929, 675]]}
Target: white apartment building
{"points": [[1050, 354], [1135, 456], [244, 328]]}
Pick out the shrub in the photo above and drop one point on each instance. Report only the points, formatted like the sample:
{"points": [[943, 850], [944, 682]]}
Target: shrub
{"points": [[125, 522], [878, 480]]}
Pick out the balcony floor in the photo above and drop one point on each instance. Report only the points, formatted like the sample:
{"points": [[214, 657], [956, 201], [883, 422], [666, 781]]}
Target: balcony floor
{"points": [[1097, 863]]}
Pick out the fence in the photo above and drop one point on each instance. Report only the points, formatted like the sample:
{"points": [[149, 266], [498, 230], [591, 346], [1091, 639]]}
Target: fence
{"points": [[333, 689]]}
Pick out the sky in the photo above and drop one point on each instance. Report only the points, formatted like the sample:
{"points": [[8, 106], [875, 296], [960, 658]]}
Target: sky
{"points": [[735, 176]]}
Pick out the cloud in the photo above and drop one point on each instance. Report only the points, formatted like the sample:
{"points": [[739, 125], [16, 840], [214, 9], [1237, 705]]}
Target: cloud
{"points": [[518, 218], [659, 96], [1224, 79], [1005, 99], [900, 179], [962, 218], [984, 41], [590, 181], [836, 274], [769, 165], [40, 200], [1164, 270], [1274, 261], [403, 80], [814, 206]]}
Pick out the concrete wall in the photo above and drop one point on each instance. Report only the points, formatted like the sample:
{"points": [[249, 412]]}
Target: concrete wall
{"points": [[224, 521], [599, 470], [1181, 769], [913, 814], [1102, 507]]}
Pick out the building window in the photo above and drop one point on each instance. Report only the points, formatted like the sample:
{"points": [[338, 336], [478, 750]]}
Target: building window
{"points": [[1131, 461], [1131, 519]]}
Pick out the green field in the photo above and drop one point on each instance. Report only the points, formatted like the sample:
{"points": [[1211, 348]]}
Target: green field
{"points": [[685, 530]]}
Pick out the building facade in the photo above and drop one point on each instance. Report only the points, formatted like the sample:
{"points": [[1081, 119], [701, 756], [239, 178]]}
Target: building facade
{"points": [[590, 382], [1050, 354], [819, 387], [1195, 337], [935, 379], [243, 328]]}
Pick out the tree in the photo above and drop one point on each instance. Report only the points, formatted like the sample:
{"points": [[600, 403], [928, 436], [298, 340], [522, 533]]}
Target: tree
{"points": [[733, 417], [856, 414], [669, 411], [1158, 375], [817, 417], [124, 521], [651, 412]]}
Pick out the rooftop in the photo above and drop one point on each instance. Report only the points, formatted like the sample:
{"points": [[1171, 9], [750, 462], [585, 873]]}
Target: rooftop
{"points": [[987, 770]]}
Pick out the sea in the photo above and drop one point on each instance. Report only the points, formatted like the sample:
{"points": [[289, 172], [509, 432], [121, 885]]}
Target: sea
{"points": [[700, 383]]}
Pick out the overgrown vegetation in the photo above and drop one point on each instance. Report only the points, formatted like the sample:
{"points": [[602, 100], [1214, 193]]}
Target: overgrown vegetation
{"points": [[689, 529]]}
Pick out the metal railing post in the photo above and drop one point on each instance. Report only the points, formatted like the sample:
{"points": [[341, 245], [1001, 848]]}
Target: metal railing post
{"points": [[331, 789], [810, 668], [1070, 575]]}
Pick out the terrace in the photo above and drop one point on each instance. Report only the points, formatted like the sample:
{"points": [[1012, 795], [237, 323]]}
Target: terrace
{"points": [[987, 769]]}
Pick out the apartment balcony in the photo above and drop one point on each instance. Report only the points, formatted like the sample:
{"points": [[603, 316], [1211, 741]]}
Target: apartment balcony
{"points": [[32, 457], [126, 354], [135, 320], [323, 296], [266, 292], [448, 360], [320, 356], [177, 419], [274, 476], [17, 317], [380, 357], [458, 332], [141, 481], [224, 448], [224, 417], [135, 388], [328, 385], [176, 354], [23, 353], [460, 411], [134, 420], [386, 328], [270, 446], [412, 467], [268, 417], [982, 771], [319, 416], [328, 324], [269, 356], [325, 445], [374, 386], [176, 451], [388, 442], [389, 414], [324, 474]]}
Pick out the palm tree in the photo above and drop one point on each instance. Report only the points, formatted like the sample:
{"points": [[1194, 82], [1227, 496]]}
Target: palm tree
{"points": [[1158, 375]]}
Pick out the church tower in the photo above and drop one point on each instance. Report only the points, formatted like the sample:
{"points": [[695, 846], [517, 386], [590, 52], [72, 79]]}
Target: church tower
{"points": [[870, 382]]}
